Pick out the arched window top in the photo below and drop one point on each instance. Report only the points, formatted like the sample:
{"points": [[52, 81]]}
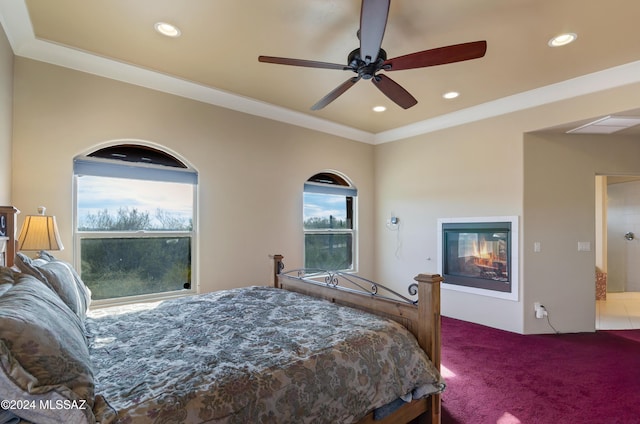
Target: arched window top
{"points": [[134, 161], [139, 154], [329, 178], [329, 183]]}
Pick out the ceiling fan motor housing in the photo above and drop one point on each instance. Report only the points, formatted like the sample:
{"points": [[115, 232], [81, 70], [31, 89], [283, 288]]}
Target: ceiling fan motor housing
{"points": [[364, 70]]}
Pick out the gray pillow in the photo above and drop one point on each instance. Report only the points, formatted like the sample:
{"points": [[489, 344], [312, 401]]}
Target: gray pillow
{"points": [[61, 278], [44, 357]]}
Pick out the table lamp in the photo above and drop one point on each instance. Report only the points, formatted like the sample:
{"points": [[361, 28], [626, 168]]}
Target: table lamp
{"points": [[39, 232]]}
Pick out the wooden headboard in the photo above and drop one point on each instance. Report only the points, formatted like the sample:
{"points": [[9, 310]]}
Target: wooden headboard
{"points": [[8, 235]]}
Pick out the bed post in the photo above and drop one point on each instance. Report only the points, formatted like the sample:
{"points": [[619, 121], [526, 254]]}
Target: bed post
{"points": [[278, 265], [429, 330]]}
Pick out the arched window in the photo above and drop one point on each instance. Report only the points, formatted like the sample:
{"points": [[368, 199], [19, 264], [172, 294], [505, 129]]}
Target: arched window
{"points": [[134, 222], [329, 222]]}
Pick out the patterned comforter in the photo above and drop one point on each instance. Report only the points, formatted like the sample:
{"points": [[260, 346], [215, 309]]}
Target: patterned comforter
{"points": [[251, 355]]}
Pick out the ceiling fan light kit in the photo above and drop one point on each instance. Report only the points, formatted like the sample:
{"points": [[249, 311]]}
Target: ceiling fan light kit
{"points": [[369, 59]]}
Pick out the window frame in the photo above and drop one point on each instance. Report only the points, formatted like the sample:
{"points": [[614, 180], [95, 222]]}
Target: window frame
{"points": [[339, 185], [183, 174]]}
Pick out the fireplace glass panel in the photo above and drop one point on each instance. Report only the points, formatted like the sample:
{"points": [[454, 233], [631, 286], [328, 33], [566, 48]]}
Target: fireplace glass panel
{"points": [[477, 255]]}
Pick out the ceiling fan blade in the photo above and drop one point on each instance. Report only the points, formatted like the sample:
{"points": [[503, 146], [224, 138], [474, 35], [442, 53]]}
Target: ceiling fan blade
{"points": [[302, 62], [394, 91], [373, 21], [335, 93], [439, 56]]}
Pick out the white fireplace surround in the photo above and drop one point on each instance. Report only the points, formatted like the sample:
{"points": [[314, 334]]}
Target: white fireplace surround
{"points": [[513, 295]]}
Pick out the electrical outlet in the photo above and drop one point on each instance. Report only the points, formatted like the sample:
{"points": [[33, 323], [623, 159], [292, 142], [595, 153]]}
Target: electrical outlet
{"points": [[540, 310]]}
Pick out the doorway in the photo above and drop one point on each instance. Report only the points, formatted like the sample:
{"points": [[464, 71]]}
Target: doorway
{"points": [[620, 256]]}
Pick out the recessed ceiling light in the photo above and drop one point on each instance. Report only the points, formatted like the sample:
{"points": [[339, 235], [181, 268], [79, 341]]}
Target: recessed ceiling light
{"points": [[379, 108], [451, 95], [167, 29], [563, 39]]}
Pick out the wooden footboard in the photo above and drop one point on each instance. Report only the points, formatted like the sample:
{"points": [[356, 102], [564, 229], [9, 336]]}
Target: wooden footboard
{"points": [[421, 318]]}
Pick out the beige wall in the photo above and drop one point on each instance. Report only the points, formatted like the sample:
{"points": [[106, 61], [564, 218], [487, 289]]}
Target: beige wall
{"points": [[251, 170], [560, 211], [476, 170], [465, 171], [6, 96]]}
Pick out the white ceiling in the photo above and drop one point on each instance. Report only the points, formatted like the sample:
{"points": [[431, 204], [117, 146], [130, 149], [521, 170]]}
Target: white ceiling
{"points": [[215, 59]]}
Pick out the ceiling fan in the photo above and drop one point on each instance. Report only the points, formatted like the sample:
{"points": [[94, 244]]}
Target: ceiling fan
{"points": [[370, 58]]}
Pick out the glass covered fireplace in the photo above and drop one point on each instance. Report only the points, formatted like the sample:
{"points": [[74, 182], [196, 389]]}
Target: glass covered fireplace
{"points": [[478, 255]]}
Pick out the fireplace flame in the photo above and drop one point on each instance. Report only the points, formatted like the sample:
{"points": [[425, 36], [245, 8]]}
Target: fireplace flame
{"points": [[484, 251]]}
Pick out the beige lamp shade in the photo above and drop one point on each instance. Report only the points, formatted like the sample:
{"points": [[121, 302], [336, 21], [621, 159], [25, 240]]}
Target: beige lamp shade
{"points": [[39, 232]]}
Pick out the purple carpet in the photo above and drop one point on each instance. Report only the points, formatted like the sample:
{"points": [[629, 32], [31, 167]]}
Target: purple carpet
{"points": [[495, 376]]}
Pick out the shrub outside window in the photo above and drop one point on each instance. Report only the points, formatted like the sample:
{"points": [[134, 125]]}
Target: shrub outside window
{"points": [[134, 223], [329, 227]]}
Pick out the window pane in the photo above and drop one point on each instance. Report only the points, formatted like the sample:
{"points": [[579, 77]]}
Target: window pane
{"points": [[326, 211], [118, 267], [121, 204], [328, 251]]}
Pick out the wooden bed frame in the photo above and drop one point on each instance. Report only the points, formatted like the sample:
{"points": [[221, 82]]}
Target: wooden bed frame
{"points": [[421, 319]]}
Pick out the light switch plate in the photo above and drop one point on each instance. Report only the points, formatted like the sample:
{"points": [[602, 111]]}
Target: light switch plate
{"points": [[584, 246]]}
